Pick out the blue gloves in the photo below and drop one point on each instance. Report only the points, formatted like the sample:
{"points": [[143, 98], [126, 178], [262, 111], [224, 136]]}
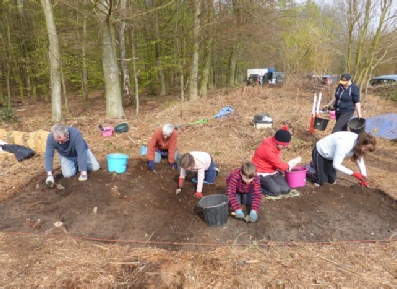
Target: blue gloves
{"points": [[150, 165], [173, 166], [253, 216], [239, 214]]}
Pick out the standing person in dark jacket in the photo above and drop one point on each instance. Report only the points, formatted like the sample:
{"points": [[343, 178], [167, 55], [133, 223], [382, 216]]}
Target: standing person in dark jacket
{"points": [[244, 188], [346, 101], [73, 152]]}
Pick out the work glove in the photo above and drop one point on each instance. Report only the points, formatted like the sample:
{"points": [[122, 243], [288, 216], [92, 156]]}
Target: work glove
{"points": [[150, 165], [292, 163], [359, 176], [173, 166], [180, 182], [50, 181], [83, 178], [253, 216], [198, 195], [364, 183], [239, 214]]}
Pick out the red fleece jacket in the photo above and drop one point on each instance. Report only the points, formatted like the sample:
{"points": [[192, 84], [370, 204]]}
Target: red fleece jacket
{"points": [[158, 142], [267, 157]]}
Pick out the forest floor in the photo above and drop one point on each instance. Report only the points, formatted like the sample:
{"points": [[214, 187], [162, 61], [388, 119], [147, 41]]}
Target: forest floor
{"points": [[131, 230]]}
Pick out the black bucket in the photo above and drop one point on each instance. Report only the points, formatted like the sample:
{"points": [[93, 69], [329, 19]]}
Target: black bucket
{"points": [[357, 125], [320, 123], [215, 209]]}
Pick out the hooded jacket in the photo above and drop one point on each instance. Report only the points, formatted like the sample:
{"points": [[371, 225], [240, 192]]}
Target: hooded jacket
{"points": [[346, 98]]}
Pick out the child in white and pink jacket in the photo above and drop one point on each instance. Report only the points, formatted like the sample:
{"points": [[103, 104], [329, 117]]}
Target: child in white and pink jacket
{"points": [[200, 163]]}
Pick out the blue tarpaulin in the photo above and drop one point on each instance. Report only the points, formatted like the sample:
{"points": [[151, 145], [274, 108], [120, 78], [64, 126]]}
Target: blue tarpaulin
{"points": [[224, 112], [384, 126]]}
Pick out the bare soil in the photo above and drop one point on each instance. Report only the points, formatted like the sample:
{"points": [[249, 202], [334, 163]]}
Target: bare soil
{"points": [[140, 208]]}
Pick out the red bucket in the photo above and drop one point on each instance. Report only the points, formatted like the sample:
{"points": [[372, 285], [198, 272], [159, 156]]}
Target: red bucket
{"points": [[296, 177]]}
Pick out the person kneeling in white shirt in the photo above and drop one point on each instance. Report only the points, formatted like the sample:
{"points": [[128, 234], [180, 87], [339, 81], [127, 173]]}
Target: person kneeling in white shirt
{"points": [[329, 153]]}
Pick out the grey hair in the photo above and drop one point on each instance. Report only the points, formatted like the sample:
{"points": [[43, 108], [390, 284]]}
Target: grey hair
{"points": [[60, 130], [168, 128]]}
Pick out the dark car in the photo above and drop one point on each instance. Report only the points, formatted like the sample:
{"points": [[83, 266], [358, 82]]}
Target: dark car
{"points": [[384, 79], [253, 79], [275, 77]]}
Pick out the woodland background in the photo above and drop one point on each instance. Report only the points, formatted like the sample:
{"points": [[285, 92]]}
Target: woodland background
{"points": [[57, 50]]}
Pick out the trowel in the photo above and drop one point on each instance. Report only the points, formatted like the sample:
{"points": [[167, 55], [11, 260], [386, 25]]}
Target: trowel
{"points": [[178, 191]]}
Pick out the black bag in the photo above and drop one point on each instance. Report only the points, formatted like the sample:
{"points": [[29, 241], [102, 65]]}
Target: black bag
{"points": [[19, 151]]}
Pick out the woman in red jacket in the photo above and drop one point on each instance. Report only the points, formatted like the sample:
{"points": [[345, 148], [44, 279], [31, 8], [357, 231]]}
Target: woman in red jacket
{"points": [[267, 159]]}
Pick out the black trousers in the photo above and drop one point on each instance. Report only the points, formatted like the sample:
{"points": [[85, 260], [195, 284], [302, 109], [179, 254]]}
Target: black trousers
{"points": [[324, 169], [341, 121], [275, 184]]}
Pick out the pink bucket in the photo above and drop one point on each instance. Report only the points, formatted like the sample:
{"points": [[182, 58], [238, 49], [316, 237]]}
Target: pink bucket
{"points": [[107, 131], [296, 177], [332, 114]]}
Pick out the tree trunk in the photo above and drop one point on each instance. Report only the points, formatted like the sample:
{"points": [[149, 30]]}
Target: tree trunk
{"points": [[55, 60], [84, 72], [124, 66], [193, 93], [206, 69], [157, 47], [232, 68], [208, 50], [111, 72], [136, 83]]}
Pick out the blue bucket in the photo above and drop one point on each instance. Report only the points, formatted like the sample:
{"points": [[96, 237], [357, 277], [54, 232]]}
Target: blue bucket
{"points": [[117, 163]]}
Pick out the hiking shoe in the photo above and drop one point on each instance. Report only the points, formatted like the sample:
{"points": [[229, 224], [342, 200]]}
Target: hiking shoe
{"points": [[194, 180], [316, 185]]}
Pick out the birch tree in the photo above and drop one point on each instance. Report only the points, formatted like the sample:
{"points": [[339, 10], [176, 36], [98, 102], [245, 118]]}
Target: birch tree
{"points": [[124, 66]]}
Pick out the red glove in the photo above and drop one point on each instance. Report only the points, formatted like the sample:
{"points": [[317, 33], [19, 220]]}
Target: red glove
{"points": [[198, 195], [180, 182], [359, 176], [364, 183]]}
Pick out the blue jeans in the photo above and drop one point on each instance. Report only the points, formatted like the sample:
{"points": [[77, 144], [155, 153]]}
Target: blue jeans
{"points": [[210, 173], [158, 155], [69, 164]]}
